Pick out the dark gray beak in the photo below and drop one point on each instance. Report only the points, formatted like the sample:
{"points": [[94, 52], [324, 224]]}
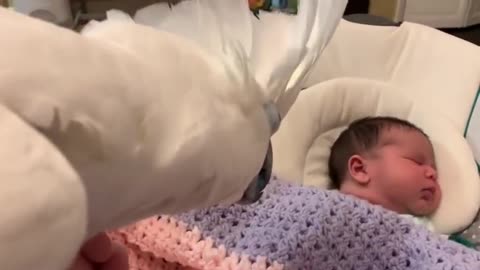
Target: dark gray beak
{"points": [[255, 189]]}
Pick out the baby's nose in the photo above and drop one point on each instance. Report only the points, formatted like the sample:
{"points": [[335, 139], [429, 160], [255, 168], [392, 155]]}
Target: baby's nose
{"points": [[431, 173]]}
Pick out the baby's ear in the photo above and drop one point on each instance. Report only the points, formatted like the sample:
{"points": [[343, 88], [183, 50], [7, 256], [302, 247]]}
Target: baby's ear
{"points": [[357, 168]]}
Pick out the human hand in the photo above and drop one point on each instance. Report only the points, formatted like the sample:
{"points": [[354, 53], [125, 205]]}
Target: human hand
{"points": [[100, 253]]}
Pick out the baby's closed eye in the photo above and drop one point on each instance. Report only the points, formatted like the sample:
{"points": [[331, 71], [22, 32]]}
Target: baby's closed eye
{"points": [[420, 161], [416, 160]]}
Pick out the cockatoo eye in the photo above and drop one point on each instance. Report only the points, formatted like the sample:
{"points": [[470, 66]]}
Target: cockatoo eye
{"points": [[255, 189]]}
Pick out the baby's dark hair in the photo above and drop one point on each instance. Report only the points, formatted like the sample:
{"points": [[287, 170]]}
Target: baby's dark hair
{"points": [[361, 136]]}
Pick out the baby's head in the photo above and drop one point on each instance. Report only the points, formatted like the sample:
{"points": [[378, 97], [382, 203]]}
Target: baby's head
{"points": [[389, 162]]}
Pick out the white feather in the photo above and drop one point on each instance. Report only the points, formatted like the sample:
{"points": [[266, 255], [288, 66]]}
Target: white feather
{"points": [[43, 200], [280, 49], [212, 25], [206, 22], [315, 24], [90, 26], [119, 15], [114, 16]]}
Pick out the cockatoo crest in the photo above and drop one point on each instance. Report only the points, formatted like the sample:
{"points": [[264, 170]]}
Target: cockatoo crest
{"points": [[228, 30]]}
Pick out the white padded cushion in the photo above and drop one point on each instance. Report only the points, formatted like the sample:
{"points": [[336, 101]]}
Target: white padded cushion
{"points": [[302, 145], [424, 62]]}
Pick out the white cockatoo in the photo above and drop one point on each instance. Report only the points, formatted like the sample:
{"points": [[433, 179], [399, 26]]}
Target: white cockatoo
{"points": [[131, 119]]}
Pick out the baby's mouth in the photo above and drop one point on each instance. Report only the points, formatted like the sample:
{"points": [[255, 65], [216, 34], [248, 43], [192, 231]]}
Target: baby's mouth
{"points": [[428, 193]]}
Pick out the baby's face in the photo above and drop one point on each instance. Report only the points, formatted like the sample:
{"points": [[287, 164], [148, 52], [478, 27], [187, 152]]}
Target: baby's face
{"points": [[405, 172]]}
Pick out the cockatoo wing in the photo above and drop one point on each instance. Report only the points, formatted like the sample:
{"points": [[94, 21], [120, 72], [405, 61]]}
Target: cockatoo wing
{"points": [[44, 208]]}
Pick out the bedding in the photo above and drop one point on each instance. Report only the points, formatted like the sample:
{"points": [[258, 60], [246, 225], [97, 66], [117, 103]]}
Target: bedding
{"points": [[291, 227]]}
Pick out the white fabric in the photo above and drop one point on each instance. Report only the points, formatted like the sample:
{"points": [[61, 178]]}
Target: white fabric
{"points": [[301, 147]]}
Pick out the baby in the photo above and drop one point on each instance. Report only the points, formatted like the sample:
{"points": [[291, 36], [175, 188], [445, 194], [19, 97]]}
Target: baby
{"points": [[389, 162]]}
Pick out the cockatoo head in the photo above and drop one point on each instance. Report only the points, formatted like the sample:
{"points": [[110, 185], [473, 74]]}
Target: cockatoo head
{"points": [[250, 84]]}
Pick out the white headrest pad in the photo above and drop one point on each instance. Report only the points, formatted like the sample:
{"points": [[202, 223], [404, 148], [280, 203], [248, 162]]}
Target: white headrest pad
{"points": [[423, 61], [302, 145]]}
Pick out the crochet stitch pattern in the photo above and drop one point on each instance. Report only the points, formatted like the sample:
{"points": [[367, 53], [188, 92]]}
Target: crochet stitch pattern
{"points": [[291, 227]]}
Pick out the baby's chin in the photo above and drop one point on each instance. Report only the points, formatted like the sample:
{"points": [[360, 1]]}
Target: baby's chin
{"points": [[426, 205], [424, 208]]}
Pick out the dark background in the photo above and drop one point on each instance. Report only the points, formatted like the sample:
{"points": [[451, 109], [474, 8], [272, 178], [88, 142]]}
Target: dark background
{"points": [[357, 6]]}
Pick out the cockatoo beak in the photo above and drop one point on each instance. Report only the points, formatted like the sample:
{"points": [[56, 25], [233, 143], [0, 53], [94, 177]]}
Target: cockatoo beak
{"points": [[255, 189]]}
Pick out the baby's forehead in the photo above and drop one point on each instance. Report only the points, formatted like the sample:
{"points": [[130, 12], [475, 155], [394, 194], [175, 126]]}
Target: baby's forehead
{"points": [[406, 137]]}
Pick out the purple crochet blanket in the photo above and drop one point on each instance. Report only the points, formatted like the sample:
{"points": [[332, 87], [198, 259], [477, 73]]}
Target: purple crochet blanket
{"points": [[293, 227]]}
